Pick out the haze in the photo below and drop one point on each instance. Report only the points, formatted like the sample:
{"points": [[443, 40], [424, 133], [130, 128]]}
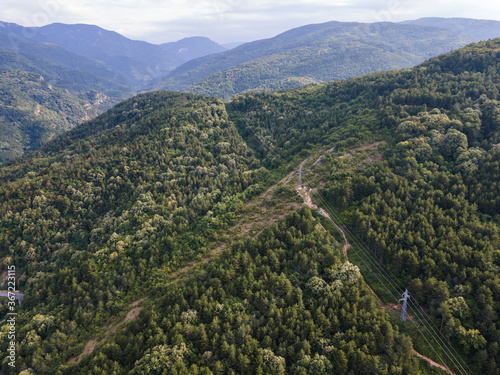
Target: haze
{"points": [[226, 21]]}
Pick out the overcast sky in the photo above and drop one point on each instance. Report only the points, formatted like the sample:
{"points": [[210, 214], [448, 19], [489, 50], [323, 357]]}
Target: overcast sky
{"points": [[225, 21]]}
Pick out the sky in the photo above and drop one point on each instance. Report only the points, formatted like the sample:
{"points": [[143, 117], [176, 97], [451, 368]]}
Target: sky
{"points": [[226, 21]]}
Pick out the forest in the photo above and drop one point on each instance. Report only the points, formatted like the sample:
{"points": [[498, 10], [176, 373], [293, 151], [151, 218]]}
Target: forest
{"points": [[315, 53], [101, 221], [430, 209]]}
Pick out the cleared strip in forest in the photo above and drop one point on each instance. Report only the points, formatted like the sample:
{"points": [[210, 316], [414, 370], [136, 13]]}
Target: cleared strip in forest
{"points": [[308, 202], [93, 343], [432, 363], [387, 281], [383, 273]]}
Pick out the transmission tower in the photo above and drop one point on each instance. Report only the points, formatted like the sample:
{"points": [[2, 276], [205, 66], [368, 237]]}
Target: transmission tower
{"points": [[300, 178], [405, 303]]}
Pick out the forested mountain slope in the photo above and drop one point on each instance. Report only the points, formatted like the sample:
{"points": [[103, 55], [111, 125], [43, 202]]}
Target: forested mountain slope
{"points": [[121, 228], [430, 209], [46, 90], [32, 111], [76, 81], [314, 53], [103, 216], [279, 303], [160, 171], [40, 100]]}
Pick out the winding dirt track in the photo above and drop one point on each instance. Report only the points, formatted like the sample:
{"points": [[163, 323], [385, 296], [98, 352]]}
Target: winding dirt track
{"points": [[308, 201], [432, 363]]}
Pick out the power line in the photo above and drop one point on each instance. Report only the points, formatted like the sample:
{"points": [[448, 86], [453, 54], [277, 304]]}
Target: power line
{"points": [[424, 319], [378, 267], [384, 284]]}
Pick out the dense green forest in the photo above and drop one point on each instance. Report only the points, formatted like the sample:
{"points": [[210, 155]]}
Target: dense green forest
{"points": [[121, 228], [280, 303], [86, 217], [431, 213], [430, 209]]}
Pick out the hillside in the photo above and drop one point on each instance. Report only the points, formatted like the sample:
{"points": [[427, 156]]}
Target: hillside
{"points": [[167, 235], [427, 207], [135, 194], [74, 89], [32, 111], [75, 81], [40, 100], [313, 53]]}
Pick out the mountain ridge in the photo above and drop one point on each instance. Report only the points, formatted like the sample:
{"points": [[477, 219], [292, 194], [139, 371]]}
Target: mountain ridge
{"points": [[480, 29], [400, 45], [306, 55], [138, 59]]}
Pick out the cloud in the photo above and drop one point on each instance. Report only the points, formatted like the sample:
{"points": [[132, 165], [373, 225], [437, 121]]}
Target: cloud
{"points": [[229, 20]]}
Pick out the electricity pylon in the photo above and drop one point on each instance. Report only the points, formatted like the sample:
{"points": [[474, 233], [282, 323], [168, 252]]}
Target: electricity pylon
{"points": [[300, 178], [405, 304]]}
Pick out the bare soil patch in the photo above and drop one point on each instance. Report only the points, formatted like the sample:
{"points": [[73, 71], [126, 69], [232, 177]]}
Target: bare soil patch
{"points": [[93, 343], [432, 363]]}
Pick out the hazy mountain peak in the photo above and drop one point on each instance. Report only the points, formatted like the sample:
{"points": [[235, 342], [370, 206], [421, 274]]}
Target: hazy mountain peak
{"points": [[313, 53], [138, 60], [478, 29]]}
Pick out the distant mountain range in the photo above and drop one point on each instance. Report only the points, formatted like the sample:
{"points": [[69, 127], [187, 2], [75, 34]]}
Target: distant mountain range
{"points": [[324, 52], [89, 69], [136, 61]]}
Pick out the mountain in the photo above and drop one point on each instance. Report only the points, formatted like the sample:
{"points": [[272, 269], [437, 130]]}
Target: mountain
{"points": [[55, 55], [74, 80], [479, 29], [47, 90], [96, 68], [413, 174], [137, 60], [40, 100], [140, 191], [172, 234], [91, 62], [313, 53]]}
